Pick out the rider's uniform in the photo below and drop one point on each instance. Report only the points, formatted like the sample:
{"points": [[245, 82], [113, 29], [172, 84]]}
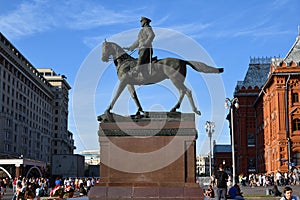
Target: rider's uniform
{"points": [[144, 43]]}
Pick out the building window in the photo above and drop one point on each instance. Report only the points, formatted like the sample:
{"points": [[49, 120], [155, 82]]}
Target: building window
{"points": [[251, 165], [296, 124], [251, 141], [7, 135], [295, 98], [296, 158], [7, 147]]}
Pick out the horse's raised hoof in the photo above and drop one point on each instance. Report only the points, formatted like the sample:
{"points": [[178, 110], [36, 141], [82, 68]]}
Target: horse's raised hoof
{"points": [[197, 112], [221, 70]]}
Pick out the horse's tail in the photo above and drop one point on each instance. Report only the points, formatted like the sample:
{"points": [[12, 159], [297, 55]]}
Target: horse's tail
{"points": [[202, 67]]}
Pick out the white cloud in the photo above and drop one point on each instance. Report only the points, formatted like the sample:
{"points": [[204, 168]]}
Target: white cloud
{"points": [[31, 17], [191, 28], [26, 19], [92, 16]]}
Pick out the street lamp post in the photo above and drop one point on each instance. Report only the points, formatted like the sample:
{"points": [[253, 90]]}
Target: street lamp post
{"points": [[231, 103], [210, 129], [91, 161]]}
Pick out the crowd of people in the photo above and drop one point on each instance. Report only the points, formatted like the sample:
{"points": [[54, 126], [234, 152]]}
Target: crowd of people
{"points": [[263, 179], [278, 178], [225, 188], [34, 188]]}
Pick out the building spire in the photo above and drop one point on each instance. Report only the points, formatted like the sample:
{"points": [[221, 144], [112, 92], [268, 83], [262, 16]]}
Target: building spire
{"points": [[294, 53]]}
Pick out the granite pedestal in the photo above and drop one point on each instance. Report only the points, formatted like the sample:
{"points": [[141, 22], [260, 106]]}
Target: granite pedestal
{"points": [[147, 157]]}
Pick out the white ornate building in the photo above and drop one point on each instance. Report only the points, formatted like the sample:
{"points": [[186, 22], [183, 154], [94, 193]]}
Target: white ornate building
{"points": [[91, 157], [33, 109], [202, 165]]}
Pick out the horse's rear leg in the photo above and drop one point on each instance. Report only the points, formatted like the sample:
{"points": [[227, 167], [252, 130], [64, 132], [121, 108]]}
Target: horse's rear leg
{"points": [[177, 105], [184, 90], [190, 97], [135, 98]]}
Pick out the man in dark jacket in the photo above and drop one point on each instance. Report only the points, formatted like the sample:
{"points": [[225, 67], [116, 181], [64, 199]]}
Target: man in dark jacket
{"points": [[222, 178]]}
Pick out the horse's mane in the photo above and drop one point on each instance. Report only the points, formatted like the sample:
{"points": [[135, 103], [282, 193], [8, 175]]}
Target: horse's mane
{"points": [[125, 55]]}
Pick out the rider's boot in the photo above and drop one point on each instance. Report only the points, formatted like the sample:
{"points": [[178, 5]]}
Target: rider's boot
{"points": [[136, 71]]}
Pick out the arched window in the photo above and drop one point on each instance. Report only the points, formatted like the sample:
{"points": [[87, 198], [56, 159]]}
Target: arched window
{"points": [[296, 158], [295, 98], [296, 124]]}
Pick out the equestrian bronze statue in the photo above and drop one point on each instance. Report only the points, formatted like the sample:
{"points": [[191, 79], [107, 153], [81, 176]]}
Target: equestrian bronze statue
{"points": [[158, 70]]}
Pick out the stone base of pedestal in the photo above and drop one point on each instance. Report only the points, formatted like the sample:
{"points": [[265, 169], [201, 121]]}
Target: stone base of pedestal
{"points": [[147, 157], [139, 192]]}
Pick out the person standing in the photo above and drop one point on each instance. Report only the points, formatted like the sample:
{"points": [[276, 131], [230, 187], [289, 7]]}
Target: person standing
{"points": [[222, 178], [278, 178]]}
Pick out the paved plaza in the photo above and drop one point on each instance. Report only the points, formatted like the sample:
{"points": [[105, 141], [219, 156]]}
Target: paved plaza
{"points": [[262, 191], [249, 192], [9, 195]]}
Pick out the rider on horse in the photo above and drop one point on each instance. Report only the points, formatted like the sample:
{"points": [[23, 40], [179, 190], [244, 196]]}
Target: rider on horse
{"points": [[144, 43]]}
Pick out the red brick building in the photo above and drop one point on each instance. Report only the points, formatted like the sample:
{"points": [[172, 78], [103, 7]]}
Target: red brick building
{"points": [[245, 117], [222, 155], [267, 123]]}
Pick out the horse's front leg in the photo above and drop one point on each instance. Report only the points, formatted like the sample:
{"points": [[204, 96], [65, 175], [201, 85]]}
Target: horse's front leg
{"points": [[120, 89], [135, 98]]}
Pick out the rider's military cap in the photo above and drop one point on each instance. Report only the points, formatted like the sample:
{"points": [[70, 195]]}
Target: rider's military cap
{"points": [[145, 18]]}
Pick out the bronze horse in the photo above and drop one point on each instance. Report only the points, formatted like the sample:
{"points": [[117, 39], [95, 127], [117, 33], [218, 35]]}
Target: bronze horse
{"points": [[167, 68]]}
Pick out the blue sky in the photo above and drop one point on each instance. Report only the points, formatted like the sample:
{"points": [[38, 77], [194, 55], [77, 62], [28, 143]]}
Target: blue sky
{"points": [[65, 36]]}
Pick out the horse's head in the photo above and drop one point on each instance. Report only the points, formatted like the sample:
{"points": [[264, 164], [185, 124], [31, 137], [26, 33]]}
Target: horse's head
{"points": [[106, 51], [111, 49]]}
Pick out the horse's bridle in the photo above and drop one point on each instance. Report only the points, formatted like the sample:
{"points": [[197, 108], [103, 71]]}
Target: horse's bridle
{"points": [[106, 55], [109, 55]]}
